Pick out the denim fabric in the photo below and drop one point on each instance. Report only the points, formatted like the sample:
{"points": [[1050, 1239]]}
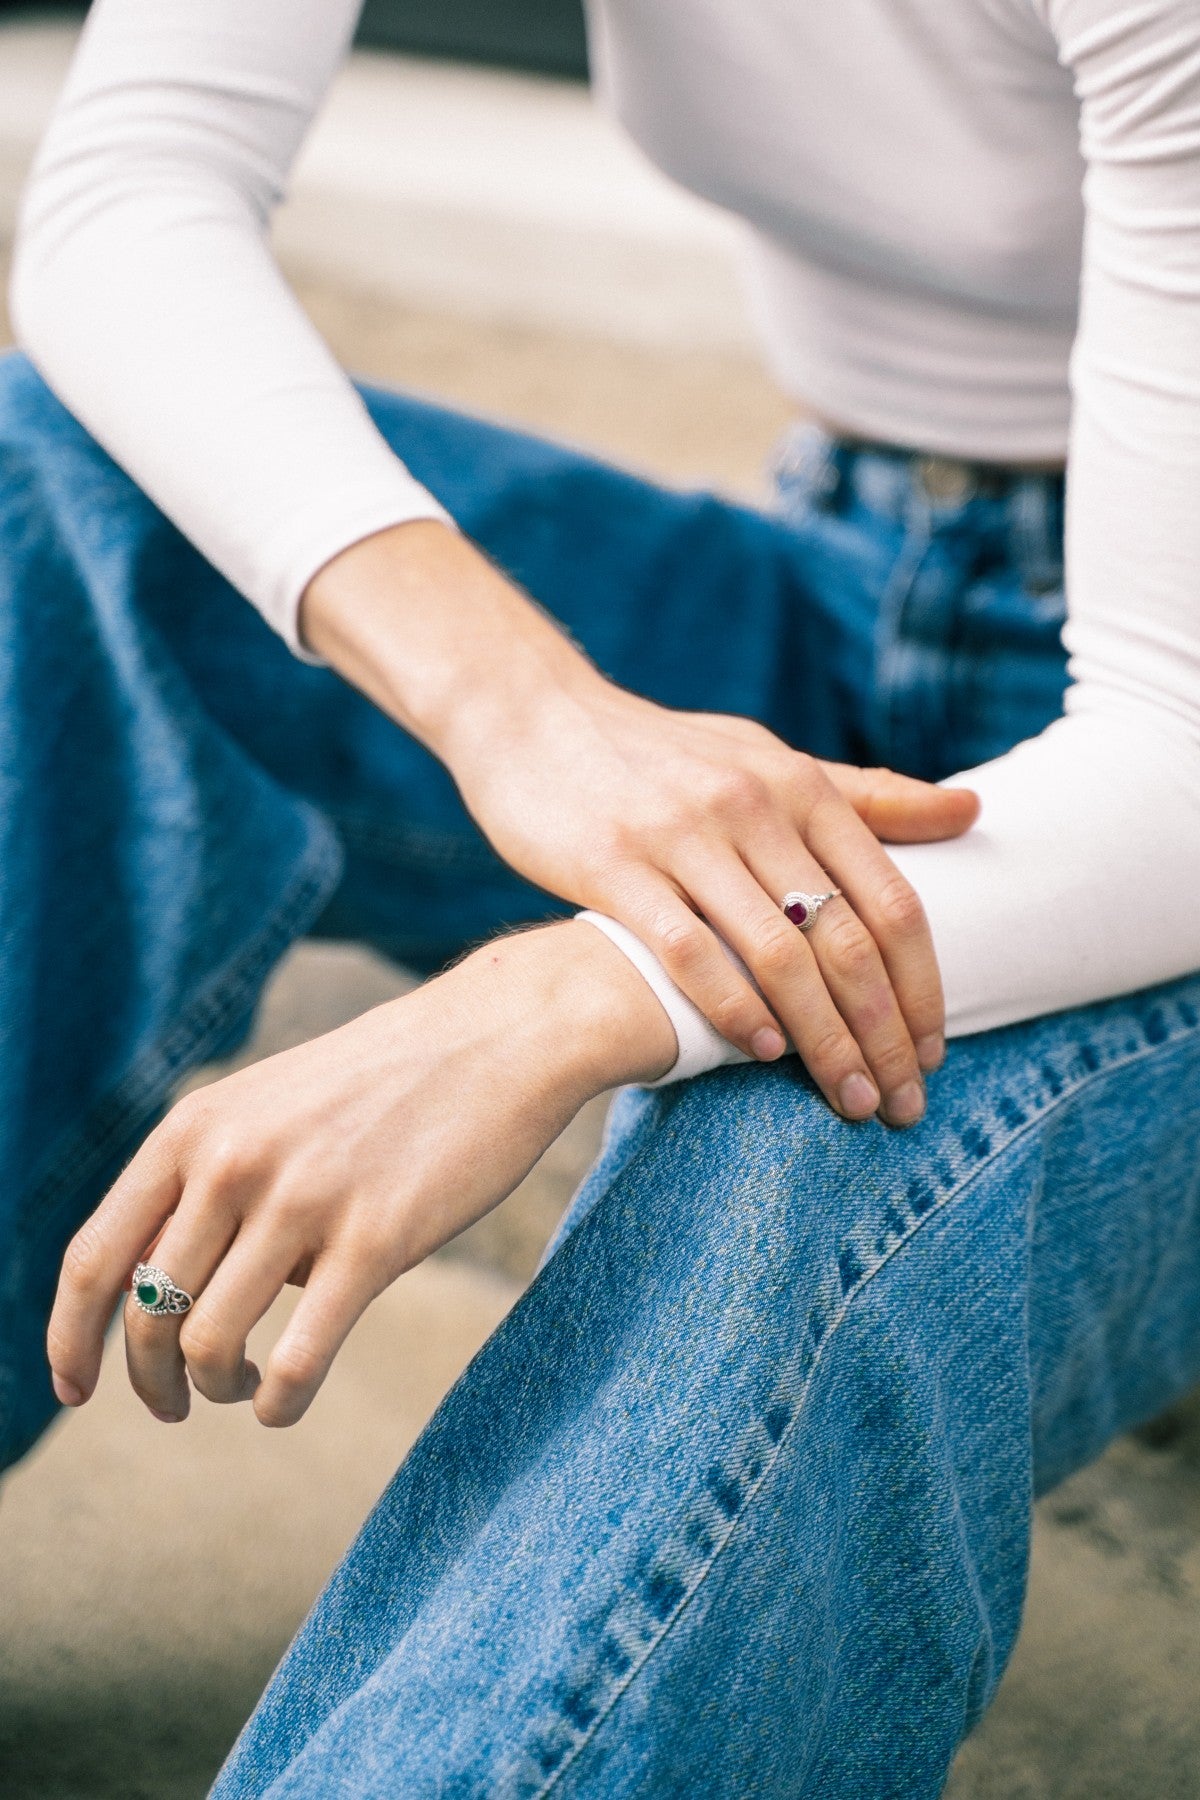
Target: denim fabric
{"points": [[737, 1500]]}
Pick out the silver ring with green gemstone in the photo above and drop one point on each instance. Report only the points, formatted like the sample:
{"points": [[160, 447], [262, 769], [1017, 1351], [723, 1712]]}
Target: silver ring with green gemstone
{"points": [[155, 1292]]}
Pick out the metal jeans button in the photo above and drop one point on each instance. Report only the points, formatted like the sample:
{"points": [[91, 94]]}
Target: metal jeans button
{"points": [[945, 480]]}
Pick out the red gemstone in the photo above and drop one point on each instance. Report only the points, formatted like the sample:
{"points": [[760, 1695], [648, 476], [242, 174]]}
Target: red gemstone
{"points": [[797, 912]]}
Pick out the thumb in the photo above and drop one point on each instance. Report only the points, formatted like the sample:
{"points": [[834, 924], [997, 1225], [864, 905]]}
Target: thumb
{"points": [[902, 810]]}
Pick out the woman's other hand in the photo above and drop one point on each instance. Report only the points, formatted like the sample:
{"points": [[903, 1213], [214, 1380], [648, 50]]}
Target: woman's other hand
{"points": [[342, 1163]]}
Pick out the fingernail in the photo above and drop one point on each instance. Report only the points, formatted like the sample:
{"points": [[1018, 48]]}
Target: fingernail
{"points": [[165, 1418], [906, 1105], [767, 1044], [931, 1051], [859, 1097], [68, 1393]]}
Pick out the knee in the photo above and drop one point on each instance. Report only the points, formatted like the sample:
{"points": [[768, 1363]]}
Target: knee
{"points": [[744, 1180], [754, 1159]]}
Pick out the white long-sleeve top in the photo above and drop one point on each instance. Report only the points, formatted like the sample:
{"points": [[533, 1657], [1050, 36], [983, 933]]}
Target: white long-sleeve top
{"points": [[977, 231]]}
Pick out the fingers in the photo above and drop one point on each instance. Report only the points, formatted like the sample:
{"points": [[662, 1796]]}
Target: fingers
{"points": [[689, 951], [891, 911], [331, 1303], [210, 1340], [829, 985], [901, 810], [245, 1286], [101, 1255], [853, 971], [190, 1251]]}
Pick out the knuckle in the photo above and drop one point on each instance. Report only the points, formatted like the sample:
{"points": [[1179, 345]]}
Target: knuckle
{"points": [[734, 1015], [926, 1013], [297, 1200], [850, 947], [873, 1017], [228, 1162], [681, 944], [188, 1116], [894, 1063], [295, 1367], [813, 788], [824, 811], [83, 1261], [776, 949], [369, 1247], [900, 907], [612, 848], [205, 1345], [831, 1052], [61, 1347], [663, 818], [738, 793]]}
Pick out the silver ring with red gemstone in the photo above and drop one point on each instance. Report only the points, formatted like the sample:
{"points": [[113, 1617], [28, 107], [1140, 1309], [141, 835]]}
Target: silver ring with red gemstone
{"points": [[155, 1292], [802, 909]]}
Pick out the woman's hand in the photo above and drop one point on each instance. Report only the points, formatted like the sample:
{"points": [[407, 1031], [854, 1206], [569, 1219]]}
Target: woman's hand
{"points": [[343, 1163], [684, 826]]}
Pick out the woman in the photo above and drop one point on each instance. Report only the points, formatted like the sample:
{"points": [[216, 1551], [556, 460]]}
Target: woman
{"points": [[737, 1500]]}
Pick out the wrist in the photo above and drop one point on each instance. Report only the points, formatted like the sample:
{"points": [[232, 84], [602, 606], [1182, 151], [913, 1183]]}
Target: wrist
{"points": [[576, 1005]]}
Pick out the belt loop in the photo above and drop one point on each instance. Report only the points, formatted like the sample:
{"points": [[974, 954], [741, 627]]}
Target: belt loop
{"points": [[830, 481], [806, 465], [1035, 519]]}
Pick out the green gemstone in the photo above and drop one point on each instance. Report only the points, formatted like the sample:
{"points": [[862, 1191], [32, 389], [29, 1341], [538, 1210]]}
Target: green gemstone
{"points": [[149, 1293]]}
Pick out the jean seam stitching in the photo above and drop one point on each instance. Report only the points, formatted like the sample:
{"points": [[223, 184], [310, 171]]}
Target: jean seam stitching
{"points": [[208, 1016], [1054, 1105], [902, 579]]}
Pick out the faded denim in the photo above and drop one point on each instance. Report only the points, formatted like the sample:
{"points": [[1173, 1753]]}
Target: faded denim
{"points": [[737, 1499]]}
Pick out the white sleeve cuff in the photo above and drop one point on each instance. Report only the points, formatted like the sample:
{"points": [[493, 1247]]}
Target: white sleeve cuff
{"points": [[700, 1045]]}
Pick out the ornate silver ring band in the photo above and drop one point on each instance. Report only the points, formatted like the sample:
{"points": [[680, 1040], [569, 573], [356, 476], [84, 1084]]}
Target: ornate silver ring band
{"points": [[802, 909], [155, 1292]]}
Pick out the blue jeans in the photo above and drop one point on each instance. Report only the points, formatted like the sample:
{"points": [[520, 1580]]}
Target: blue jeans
{"points": [[737, 1499]]}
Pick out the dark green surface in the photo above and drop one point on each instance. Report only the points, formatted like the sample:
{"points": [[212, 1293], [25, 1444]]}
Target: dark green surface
{"points": [[542, 35], [545, 35]]}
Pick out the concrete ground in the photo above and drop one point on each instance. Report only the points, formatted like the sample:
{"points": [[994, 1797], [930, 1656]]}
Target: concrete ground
{"points": [[111, 1690]]}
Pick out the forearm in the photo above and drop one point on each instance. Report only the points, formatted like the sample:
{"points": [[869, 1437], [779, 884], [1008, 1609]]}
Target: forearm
{"points": [[421, 621]]}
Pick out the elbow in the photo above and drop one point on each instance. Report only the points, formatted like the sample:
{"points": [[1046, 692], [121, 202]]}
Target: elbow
{"points": [[88, 253]]}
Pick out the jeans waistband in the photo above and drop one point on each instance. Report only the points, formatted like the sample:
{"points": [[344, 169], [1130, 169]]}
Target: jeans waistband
{"points": [[1023, 506], [899, 474]]}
